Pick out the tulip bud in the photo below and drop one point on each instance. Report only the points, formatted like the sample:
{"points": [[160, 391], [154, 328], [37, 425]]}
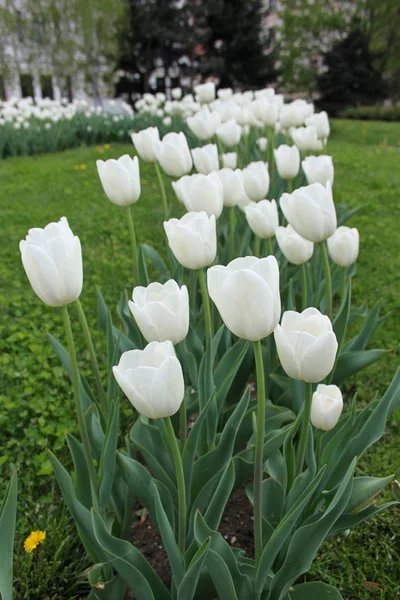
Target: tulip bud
{"points": [[318, 169], [120, 179], [262, 217], [152, 379], [246, 294], [295, 248], [176, 93], [200, 193], [256, 180], [52, 259], [310, 211], [229, 160], [173, 154], [205, 92], [192, 239], [326, 407], [232, 186], [161, 311], [204, 123], [344, 245], [262, 143], [320, 122], [206, 159], [144, 143], [229, 133], [306, 345], [287, 159]]}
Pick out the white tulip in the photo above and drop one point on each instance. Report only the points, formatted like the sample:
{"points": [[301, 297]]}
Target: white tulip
{"points": [[225, 93], [167, 121], [306, 345], [204, 123], [120, 179], [310, 211], [256, 180], [229, 160], [318, 169], [229, 133], [200, 193], [326, 407], [144, 142], [52, 259], [246, 294], [205, 92], [232, 185], [294, 247], [262, 217], [161, 311], [206, 159], [262, 143], [344, 246], [287, 159], [152, 379], [306, 139], [176, 93], [192, 239], [321, 123], [292, 115], [266, 111], [173, 154]]}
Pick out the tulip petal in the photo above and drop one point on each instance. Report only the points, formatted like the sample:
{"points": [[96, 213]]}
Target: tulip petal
{"points": [[42, 274], [318, 360]]}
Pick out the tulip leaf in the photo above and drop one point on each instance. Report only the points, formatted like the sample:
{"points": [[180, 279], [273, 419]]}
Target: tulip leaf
{"points": [[8, 511], [221, 576], [130, 563], [188, 586], [307, 539], [350, 363], [282, 533], [129, 322], [364, 491], [175, 557], [206, 391], [192, 440], [143, 276], [341, 320], [139, 480], [95, 431], [81, 479], [104, 588], [227, 369], [108, 457], [347, 521], [371, 323], [156, 259], [345, 216], [218, 502], [314, 590]]}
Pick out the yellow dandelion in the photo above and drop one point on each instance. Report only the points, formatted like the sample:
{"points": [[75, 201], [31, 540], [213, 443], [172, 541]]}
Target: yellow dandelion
{"points": [[33, 540], [106, 146], [82, 166]]}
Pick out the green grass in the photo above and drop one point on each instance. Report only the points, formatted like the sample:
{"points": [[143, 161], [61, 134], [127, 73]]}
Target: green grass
{"points": [[36, 400]]}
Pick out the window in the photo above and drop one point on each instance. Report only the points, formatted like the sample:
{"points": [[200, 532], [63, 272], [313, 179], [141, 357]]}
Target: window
{"points": [[46, 85], [26, 85]]}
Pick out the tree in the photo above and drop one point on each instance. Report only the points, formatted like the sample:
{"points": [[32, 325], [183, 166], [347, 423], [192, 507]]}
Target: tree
{"points": [[237, 45], [350, 78]]}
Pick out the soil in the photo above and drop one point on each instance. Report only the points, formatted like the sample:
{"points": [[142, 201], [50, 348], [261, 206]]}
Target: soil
{"points": [[236, 527]]}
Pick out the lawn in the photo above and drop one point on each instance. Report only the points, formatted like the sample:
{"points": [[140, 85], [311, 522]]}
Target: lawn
{"points": [[37, 406]]}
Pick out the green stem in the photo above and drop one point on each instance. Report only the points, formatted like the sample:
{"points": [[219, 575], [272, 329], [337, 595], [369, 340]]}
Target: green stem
{"points": [[328, 279], [132, 235], [304, 431], [344, 283], [206, 304], [289, 186], [318, 440], [92, 353], [232, 220], [270, 248], [180, 479], [259, 451], [162, 189], [237, 150], [303, 287], [257, 242], [78, 403], [182, 424], [219, 145]]}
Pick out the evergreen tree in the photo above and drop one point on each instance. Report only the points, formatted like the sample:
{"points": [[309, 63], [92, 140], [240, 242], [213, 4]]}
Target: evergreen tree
{"points": [[350, 78]]}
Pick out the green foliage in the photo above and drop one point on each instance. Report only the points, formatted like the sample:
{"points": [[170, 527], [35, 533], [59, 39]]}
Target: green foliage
{"points": [[372, 113]]}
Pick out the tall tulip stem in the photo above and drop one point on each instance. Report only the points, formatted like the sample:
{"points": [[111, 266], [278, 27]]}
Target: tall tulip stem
{"points": [[206, 304], [232, 222], [180, 480], [303, 287], [132, 235], [162, 190], [270, 249], [304, 430], [289, 186], [343, 285], [78, 403], [328, 280], [257, 244], [92, 353], [259, 451]]}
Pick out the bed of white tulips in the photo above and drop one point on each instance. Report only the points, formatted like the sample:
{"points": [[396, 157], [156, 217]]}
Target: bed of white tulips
{"points": [[255, 286]]}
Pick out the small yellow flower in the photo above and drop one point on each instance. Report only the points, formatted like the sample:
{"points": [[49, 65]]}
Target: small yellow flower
{"points": [[106, 146], [34, 539], [82, 166], [143, 181]]}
